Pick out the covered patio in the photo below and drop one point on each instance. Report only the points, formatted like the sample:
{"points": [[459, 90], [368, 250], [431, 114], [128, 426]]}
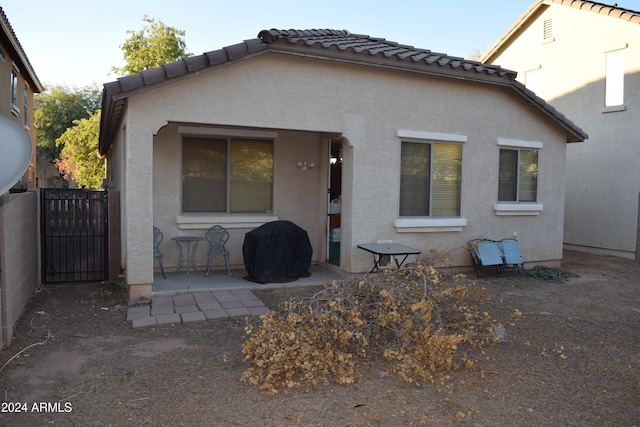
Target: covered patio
{"points": [[218, 280]]}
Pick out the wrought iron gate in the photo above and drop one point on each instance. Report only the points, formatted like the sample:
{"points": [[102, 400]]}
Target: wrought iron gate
{"points": [[74, 230]]}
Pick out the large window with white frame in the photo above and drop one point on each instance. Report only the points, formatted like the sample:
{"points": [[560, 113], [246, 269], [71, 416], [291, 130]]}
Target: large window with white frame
{"points": [[430, 179], [227, 175], [518, 175]]}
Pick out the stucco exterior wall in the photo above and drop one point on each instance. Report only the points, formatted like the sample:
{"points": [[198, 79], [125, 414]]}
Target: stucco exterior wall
{"points": [[19, 257], [304, 100], [602, 180]]}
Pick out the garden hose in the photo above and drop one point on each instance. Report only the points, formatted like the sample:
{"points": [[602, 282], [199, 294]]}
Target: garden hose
{"points": [[548, 274]]}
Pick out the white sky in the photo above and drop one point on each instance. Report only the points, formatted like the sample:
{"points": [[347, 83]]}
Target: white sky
{"points": [[75, 43]]}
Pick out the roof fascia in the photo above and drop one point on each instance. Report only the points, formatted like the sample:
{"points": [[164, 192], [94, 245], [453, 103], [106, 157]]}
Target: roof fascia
{"points": [[574, 133], [17, 53], [511, 32]]}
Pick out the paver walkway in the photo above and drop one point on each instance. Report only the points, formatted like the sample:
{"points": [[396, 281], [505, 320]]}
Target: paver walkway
{"points": [[196, 307]]}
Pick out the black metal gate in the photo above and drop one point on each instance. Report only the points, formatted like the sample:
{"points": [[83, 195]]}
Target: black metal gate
{"points": [[74, 230]]}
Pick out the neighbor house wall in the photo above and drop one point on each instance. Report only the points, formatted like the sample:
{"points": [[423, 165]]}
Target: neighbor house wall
{"points": [[602, 179], [19, 257]]}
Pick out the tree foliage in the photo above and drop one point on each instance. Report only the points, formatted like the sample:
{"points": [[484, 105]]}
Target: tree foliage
{"points": [[79, 159], [56, 110], [153, 46]]}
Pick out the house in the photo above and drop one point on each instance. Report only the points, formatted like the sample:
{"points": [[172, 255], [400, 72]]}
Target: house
{"points": [[583, 58], [251, 133], [19, 255], [18, 84]]}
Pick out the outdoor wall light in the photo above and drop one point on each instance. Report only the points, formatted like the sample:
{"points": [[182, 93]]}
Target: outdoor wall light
{"points": [[304, 165]]}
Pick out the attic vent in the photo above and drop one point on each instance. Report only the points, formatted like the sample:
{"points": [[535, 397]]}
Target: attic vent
{"points": [[547, 30]]}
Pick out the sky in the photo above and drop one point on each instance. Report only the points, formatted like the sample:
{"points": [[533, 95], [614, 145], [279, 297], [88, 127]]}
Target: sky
{"points": [[77, 42]]}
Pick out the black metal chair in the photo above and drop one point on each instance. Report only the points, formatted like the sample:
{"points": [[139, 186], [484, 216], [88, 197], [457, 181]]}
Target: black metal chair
{"points": [[217, 237], [157, 239]]}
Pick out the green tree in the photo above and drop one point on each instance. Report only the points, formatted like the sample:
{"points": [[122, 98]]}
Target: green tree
{"points": [[79, 159], [153, 46], [56, 110]]}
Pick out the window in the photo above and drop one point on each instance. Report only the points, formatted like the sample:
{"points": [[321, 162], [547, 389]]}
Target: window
{"points": [[518, 175], [430, 175], [14, 88], [227, 175], [532, 80], [614, 79], [26, 105]]}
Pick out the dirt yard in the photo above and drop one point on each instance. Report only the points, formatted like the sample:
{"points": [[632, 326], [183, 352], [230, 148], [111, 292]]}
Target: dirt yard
{"points": [[573, 359]]}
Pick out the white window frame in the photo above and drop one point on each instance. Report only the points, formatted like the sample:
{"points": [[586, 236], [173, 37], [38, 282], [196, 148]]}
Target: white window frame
{"points": [[614, 80], [429, 224], [519, 208]]}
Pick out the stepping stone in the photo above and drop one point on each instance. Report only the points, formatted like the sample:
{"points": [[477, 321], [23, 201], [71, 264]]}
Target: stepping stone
{"points": [[184, 299], [166, 319], [145, 322], [137, 312], [197, 316]]}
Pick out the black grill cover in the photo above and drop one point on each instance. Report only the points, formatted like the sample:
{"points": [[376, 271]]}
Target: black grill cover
{"points": [[277, 252]]}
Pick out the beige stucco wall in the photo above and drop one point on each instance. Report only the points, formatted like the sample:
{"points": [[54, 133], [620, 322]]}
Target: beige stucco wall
{"points": [[19, 257], [304, 100], [602, 179]]}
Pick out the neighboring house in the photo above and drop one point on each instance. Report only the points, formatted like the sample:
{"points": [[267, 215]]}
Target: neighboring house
{"points": [[19, 254], [583, 57], [18, 83], [429, 149]]}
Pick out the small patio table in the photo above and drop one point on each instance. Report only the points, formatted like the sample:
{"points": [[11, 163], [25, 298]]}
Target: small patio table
{"points": [[393, 250], [191, 251]]}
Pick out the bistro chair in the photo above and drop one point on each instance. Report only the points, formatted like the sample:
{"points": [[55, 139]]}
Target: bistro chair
{"points": [[157, 239], [217, 237]]}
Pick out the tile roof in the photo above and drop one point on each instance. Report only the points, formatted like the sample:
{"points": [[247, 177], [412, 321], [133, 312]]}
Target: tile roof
{"points": [[338, 45], [614, 11]]}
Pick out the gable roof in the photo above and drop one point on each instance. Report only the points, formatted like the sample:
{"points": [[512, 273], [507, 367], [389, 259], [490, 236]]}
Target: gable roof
{"points": [[10, 42], [614, 11], [336, 45]]}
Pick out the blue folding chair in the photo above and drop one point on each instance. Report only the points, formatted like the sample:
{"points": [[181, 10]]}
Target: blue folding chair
{"points": [[512, 256], [490, 259]]}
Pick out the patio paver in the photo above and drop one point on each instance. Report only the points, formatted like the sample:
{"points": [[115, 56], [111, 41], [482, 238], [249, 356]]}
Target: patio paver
{"points": [[196, 307]]}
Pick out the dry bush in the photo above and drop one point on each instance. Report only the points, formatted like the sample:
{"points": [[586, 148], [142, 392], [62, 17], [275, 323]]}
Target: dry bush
{"points": [[415, 318]]}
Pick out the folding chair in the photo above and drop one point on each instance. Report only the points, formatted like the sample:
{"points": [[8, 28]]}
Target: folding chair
{"points": [[512, 256], [490, 259]]}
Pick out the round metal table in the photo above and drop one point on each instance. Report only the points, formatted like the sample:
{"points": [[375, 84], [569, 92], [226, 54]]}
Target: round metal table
{"points": [[191, 251]]}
